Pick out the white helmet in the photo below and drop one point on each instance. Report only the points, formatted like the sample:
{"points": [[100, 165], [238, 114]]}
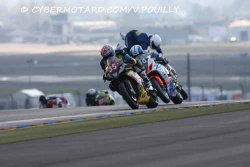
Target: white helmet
{"points": [[92, 91], [155, 41], [136, 50]]}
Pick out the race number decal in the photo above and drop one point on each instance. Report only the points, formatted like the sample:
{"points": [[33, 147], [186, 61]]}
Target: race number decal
{"points": [[144, 61]]}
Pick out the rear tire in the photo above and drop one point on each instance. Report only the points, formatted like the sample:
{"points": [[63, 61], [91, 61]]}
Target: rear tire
{"points": [[123, 91], [160, 91], [153, 101]]}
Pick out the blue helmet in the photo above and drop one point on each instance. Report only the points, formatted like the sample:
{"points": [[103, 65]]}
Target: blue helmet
{"points": [[136, 50]]}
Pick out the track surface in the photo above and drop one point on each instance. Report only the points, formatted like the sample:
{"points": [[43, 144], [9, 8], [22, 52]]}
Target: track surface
{"points": [[14, 118], [215, 140]]}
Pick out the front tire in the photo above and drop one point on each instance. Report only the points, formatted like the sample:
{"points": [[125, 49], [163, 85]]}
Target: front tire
{"points": [[160, 92], [112, 103], [127, 97], [177, 99], [184, 94]]}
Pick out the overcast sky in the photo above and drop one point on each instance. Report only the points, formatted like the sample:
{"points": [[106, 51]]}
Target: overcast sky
{"points": [[212, 3], [219, 8]]}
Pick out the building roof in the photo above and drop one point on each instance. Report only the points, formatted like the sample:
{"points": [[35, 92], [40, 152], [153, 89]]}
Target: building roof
{"points": [[240, 23], [92, 25], [32, 92]]}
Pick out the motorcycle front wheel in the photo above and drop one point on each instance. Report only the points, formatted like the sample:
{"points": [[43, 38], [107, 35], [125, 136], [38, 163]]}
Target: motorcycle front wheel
{"points": [[184, 94], [124, 90], [160, 92], [177, 99]]}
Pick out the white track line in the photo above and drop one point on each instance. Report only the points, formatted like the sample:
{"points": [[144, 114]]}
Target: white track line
{"points": [[9, 124]]}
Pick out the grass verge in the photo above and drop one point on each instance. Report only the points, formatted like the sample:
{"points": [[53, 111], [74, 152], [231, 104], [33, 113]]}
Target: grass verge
{"points": [[115, 122]]}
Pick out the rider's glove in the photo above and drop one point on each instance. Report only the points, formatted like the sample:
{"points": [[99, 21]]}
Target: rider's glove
{"points": [[121, 52], [161, 60], [129, 60], [133, 61]]}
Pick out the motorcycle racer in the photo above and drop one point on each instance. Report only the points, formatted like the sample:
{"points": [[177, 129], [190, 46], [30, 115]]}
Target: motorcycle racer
{"points": [[98, 98], [107, 51], [104, 98], [90, 97], [135, 37], [53, 101], [141, 57]]}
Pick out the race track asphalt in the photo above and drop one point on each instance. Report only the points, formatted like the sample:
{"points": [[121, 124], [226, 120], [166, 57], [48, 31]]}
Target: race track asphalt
{"points": [[214, 140], [20, 117]]}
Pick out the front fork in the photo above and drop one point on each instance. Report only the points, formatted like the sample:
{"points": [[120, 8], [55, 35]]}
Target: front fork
{"points": [[130, 87], [176, 83]]}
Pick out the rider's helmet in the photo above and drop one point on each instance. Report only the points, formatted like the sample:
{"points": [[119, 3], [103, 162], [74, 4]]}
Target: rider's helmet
{"points": [[136, 50], [92, 92], [42, 99], [107, 51], [155, 41]]}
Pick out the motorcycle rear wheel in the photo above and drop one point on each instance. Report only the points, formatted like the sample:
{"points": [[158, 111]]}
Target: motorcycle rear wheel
{"points": [[153, 101]]}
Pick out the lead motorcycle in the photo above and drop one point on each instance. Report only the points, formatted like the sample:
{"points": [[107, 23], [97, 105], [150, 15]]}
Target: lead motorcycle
{"points": [[129, 84]]}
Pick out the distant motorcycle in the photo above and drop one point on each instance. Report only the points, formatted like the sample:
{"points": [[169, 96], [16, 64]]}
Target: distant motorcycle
{"points": [[104, 99], [129, 84], [53, 102], [99, 98]]}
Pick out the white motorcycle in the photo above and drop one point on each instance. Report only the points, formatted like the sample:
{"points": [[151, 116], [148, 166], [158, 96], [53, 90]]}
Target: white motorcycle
{"points": [[163, 82]]}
